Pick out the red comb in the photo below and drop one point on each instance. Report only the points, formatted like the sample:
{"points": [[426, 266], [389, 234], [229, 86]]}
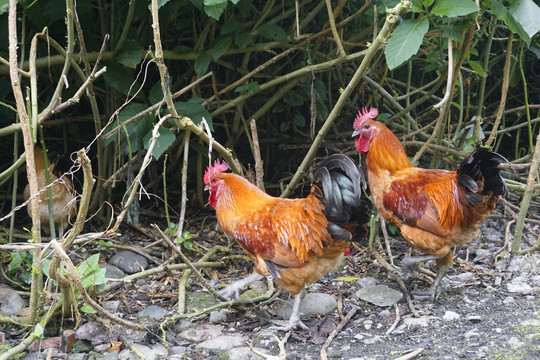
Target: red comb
{"points": [[364, 115], [211, 171]]}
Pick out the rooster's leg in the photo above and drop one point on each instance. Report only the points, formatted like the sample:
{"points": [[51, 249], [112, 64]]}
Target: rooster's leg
{"points": [[432, 292], [294, 320], [409, 263], [235, 287]]}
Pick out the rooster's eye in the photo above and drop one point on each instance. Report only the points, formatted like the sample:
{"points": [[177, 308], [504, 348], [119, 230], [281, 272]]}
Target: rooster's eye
{"points": [[366, 126]]}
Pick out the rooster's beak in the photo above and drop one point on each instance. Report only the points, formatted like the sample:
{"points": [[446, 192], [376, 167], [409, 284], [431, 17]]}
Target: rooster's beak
{"points": [[355, 133]]}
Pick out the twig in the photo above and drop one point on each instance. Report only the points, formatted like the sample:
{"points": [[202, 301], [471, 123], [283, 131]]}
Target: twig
{"points": [[177, 250], [281, 344], [450, 75], [396, 322], [259, 171], [410, 355], [341, 49], [334, 332]]}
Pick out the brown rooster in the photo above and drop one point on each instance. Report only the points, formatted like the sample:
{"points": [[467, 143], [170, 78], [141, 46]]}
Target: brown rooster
{"points": [[434, 209], [293, 241]]}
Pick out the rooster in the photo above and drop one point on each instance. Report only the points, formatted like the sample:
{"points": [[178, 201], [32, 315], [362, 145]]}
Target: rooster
{"points": [[292, 241], [434, 209], [62, 195]]}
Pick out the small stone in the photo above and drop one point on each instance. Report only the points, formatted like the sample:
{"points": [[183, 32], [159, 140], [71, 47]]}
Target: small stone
{"points": [[313, 303], [245, 353], [380, 295], [472, 333], [451, 316], [372, 340], [385, 314], [368, 324], [152, 312], [366, 281], [474, 318], [514, 341], [509, 300], [359, 336], [202, 332], [129, 261], [531, 322], [519, 288], [224, 342], [154, 352], [111, 306], [422, 321], [218, 316], [10, 301]]}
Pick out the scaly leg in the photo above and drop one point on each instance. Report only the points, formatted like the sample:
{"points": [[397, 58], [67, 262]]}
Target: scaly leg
{"points": [[235, 287], [432, 292], [294, 320], [410, 262]]}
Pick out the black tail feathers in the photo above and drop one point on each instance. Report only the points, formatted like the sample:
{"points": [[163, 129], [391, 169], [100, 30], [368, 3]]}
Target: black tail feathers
{"points": [[482, 166], [337, 185]]}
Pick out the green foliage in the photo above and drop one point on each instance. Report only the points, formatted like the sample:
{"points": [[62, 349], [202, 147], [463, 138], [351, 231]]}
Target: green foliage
{"points": [[454, 8], [184, 240], [407, 39]]}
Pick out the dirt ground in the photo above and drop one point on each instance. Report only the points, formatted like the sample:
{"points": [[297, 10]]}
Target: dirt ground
{"points": [[486, 309]]}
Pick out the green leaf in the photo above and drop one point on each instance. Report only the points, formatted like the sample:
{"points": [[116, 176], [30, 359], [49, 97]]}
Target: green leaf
{"points": [[4, 6], [242, 40], [195, 111], [136, 129], [502, 13], [130, 56], [88, 309], [452, 8], [38, 330], [250, 87], [348, 279], [88, 265], [166, 139], [527, 14], [121, 79], [231, 26], [406, 41], [477, 67], [156, 93], [299, 120], [214, 8], [221, 47], [272, 32], [452, 32], [202, 63]]}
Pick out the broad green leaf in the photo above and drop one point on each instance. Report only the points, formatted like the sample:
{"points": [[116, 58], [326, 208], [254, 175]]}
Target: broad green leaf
{"points": [[88, 309], [221, 47], [293, 98], [502, 13], [272, 32], [527, 14], [214, 8], [166, 138], [406, 41], [195, 111], [231, 26], [88, 265], [250, 87], [130, 55], [349, 278], [4, 6], [202, 63], [122, 80], [299, 120], [156, 93], [452, 8], [182, 49], [477, 67], [452, 32], [136, 129], [38, 330], [242, 40]]}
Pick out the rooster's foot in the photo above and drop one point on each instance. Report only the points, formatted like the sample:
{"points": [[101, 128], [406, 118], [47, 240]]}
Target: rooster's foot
{"points": [[292, 324]]}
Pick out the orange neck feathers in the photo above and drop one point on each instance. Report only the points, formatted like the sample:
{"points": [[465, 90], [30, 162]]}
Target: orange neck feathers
{"points": [[385, 150]]}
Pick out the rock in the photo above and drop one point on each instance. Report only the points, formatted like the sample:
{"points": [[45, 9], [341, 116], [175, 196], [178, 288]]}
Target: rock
{"points": [[509, 300], [200, 300], [202, 332], [245, 353], [153, 352], [218, 316], [224, 342], [531, 322], [372, 340], [422, 321], [385, 314], [42, 344], [89, 331], [129, 261], [472, 333], [68, 340], [313, 303], [451, 316], [111, 306], [474, 318], [367, 281], [10, 302], [112, 272], [178, 350], [152, 312], [514, 341], [367, 324], [113, 355], [521, 288], [380, 295]]}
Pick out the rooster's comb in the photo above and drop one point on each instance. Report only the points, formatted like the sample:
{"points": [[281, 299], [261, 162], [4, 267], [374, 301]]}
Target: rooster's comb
{"points": [[211, 171], [364, 115]]}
